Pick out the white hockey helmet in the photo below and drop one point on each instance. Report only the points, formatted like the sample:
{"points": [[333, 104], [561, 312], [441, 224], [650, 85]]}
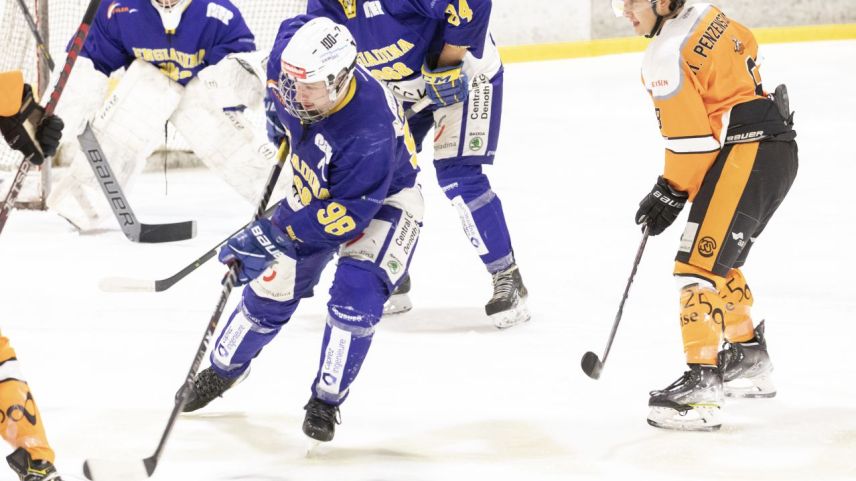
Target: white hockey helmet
{"points": [[317, 68]]}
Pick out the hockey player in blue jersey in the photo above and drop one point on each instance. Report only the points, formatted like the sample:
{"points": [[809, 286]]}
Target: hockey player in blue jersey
{"points": [[442, 49], [354, 192], [182, 63]]}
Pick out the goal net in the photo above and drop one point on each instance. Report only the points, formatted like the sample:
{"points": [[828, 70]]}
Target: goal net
{"points": [[57, 21]]}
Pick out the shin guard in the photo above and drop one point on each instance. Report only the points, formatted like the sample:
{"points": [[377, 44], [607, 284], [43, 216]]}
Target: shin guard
{"points": [[702, 312], [738, 304]]}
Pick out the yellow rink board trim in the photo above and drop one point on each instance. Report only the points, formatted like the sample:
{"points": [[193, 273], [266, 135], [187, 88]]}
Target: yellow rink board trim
{"points": [[609, 46]]}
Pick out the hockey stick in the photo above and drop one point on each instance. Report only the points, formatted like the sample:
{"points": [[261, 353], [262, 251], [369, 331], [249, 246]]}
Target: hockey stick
{"points": [[131, 227], [128, 284], [40, 42], [73, 52], [110, 470], [590, 363]]}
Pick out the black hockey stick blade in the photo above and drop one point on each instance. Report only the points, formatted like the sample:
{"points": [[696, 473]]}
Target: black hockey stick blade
{"points": [[177, 231], [591, 365]]}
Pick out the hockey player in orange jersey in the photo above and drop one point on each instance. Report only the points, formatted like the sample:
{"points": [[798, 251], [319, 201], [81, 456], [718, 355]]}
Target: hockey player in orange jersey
{"points": [[20, 420], [730, 151]]}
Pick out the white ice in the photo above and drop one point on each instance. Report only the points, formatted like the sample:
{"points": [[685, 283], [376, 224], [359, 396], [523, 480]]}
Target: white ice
{"points": [[443, 395]]}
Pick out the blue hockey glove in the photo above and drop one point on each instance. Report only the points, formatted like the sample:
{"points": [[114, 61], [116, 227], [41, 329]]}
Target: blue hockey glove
{"points": [[445, 85], [255, 248], [660, 207]]}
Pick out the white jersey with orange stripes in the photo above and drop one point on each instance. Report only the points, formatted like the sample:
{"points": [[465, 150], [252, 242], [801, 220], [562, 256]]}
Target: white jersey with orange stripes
{"points": [[700, 66]]}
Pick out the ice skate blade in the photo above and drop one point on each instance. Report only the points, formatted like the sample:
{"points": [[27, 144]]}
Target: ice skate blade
{"points": [[757, 387], [512, 317], [397, 304], [311, 447], [699, 418]]}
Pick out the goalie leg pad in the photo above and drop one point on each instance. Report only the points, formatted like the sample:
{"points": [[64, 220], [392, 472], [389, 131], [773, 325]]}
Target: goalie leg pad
{"points": [[480, 211], [221, 133], [127, 126]]}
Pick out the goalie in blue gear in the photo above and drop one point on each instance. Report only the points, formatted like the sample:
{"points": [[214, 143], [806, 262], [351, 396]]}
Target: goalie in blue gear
{"points": [[354, 194]]}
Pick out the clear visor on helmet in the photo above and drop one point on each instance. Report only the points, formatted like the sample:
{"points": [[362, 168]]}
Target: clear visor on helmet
{"points": [[619, 7]]}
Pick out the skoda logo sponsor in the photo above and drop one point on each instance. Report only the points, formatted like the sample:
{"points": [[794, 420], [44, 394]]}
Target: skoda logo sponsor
{"points": [[476, 143]]}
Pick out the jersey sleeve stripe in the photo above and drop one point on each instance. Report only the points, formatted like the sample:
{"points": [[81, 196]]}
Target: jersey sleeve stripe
{"points": [[692, 145]]}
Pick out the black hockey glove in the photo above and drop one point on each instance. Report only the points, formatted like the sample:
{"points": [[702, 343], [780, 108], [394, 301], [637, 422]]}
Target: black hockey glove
{"points": [[16, 134], [49, 134], [660, 207]]}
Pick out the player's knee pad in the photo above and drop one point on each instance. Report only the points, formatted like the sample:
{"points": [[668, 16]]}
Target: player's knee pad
{"points": [[702, 317], [356, 297], [738, 305], [127, 126]]}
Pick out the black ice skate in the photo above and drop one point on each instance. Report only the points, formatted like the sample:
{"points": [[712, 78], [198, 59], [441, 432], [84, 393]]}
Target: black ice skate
{"points": [[507, 307], [29, 470], [746, 368], [399, 300], [691, 403], [321, 420], [208, 386]]}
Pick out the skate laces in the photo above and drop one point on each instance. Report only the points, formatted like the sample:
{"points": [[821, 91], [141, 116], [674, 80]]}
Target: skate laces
{"points": [[209, 385], [324, 411], [685, 378], [503, 284]]}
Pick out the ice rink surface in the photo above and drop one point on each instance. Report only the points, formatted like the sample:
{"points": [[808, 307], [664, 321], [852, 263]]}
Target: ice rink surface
{"points": [[443, 395]]}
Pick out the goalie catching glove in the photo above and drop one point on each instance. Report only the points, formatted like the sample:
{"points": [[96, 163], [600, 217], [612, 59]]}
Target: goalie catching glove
{"points": [[255, 248], [660, 207], [445, 85], [48, 132]]}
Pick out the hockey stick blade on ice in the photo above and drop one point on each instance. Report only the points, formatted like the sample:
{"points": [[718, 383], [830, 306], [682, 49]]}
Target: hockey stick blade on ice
{"points": [[590, 363], [131, 227], [73, 52], [107, 470], [129, 284]]}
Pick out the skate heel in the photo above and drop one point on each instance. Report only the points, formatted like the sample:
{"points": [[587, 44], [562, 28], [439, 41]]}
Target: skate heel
{"points": [[760, 386], [512, 317]]}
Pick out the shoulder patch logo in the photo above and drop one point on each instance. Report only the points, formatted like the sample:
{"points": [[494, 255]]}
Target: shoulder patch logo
{"points": [[372, 9], [350, 8], [738, 45], [117, 7], [219, 12]]}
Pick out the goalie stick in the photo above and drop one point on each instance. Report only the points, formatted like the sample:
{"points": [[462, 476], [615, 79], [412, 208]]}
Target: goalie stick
{"points": [[97, 470], [590, 363], [129, 284], [131, 227], [73, 52]]}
